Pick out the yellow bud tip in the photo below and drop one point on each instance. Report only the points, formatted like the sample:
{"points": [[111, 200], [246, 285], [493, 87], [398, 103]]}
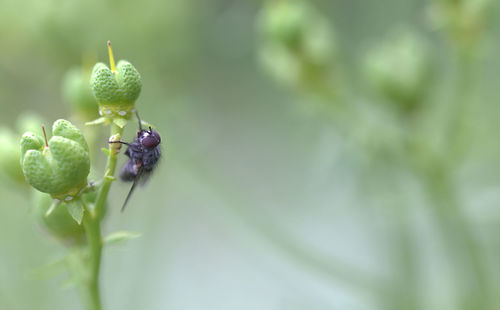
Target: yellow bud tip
{"points": [[45, 136], [111, 58]]}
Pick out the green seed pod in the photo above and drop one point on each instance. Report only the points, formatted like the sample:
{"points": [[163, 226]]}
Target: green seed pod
{"points": [[59, 222], [61, 168], [76, 91], [115, 89], [400, 69]]}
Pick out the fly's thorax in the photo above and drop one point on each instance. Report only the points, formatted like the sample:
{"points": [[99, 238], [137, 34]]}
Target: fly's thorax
{"points": [[151, 158]]}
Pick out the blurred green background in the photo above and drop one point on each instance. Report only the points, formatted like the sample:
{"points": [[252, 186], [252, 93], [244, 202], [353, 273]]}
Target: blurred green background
{"points": [[265, 197]]}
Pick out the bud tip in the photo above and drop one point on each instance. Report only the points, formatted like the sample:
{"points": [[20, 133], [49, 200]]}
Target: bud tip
{"points": [[111, 58], [45, 136]]}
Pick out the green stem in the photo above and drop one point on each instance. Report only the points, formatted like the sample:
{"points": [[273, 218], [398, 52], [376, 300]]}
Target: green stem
{"points": [[92, 223], [94, 239], [108, 176]]}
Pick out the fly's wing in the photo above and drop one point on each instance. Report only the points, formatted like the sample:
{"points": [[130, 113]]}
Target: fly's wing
{"points": [[145, 177], [150, 164], [128, 172], [137, 177]]}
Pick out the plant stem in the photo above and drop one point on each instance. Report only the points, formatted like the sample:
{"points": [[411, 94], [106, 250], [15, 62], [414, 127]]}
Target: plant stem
{"points": [[108, 176], [92, 223], [93, 231]]}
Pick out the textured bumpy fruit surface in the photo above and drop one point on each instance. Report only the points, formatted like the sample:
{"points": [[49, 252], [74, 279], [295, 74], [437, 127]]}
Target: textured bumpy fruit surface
{"points": [[124, 86], [61, 169]]}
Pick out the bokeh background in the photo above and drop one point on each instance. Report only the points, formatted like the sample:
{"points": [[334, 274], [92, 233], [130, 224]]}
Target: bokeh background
{"points": [[275, 191]]}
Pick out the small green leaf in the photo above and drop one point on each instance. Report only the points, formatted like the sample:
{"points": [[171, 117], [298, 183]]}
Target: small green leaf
{"points": [[120, 236], [100, 120], [110, 178], [75, 209], [70, 282], [76, 266], [106, 151], [52, 207], [120, 122], [50, 269]]}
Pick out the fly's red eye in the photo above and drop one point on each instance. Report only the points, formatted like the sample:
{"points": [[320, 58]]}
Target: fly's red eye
{"points": [[157, 136], [149, 142]]}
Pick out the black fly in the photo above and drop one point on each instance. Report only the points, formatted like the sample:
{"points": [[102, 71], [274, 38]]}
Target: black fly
{"points": [[143, 153]]}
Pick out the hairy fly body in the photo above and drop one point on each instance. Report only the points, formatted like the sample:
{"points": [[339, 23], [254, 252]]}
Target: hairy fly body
{"points": [[144, 153]]}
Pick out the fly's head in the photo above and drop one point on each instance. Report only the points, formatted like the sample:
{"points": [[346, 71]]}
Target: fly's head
{"points": [[149, 138]]}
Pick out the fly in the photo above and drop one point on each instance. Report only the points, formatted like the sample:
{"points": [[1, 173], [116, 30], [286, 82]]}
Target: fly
{"points": [[143, 153]]}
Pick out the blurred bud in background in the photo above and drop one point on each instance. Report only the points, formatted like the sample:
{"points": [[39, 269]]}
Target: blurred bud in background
{"points": [[297, 45], [9, 156], [9, 142], [59, 222], [464, 21], [77, 93], [399, 68]]}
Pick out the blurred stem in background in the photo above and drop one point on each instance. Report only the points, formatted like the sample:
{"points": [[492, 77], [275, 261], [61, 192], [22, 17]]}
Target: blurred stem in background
{"points": [[464, 23], [467, 64]]}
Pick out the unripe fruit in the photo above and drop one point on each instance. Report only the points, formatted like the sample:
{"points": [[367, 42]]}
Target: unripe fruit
{"points": [[59, 168], [116, 90]]}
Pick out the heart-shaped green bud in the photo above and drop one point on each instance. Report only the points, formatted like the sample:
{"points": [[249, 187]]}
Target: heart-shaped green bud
{"points": [[61, 168], [116, 91]]}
